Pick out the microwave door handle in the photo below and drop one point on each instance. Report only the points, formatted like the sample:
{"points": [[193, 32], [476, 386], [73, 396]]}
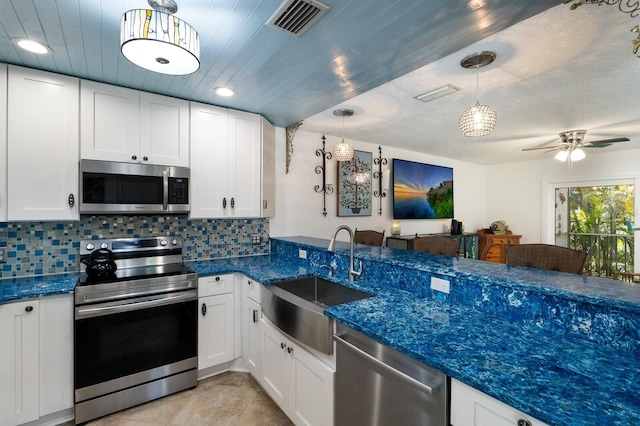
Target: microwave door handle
{"points": [[165, 189]]}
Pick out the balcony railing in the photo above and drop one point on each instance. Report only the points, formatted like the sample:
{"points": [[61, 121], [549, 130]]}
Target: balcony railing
{"points": [[606, 253]]}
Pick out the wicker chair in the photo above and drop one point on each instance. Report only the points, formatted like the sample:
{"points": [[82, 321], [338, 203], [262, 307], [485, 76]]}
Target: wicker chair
{"points": [[368, 237], [546, 256], [436, 245]]}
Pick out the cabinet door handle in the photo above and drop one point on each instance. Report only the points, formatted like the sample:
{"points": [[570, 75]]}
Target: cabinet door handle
{"points": [[29, 308], [134, 157], [524, 422], [264, 204], [71, 200], [204, 309], [224, 203], [145, 158], [217, 278], [255, 316], [289, 349], [233, 202], [249, 282], [282, 345]]}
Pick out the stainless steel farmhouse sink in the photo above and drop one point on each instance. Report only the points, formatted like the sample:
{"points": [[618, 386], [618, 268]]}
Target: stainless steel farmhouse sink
{"points": [[296, 306]]}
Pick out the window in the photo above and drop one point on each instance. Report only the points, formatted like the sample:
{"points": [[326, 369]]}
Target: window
{"points": [[592, 218]]}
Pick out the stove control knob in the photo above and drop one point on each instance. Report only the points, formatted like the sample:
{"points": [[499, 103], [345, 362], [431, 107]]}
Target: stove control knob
{"points": [[163, 242], [104, 245], [174, 241], [90, 246]]}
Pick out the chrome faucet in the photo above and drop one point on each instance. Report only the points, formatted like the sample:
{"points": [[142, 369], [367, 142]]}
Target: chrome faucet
{"points": [[332, 246]]}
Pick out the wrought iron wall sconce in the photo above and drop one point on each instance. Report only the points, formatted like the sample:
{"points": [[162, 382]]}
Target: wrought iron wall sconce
{"points": [[325, 188], [380, 193]]}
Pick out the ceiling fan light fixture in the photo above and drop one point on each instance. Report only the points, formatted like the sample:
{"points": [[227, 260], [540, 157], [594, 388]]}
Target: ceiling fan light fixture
{"points": [[577, 154], [159, 42], [343, 151], [478, 120], [562, 155]]}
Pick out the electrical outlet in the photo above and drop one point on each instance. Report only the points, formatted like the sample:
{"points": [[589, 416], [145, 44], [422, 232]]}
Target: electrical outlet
{"points": [[438, 284], [256, 240], [302, 254], [2, 258]]}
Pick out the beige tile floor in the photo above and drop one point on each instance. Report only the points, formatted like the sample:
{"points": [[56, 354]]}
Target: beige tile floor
{"points": [[231, 398]]}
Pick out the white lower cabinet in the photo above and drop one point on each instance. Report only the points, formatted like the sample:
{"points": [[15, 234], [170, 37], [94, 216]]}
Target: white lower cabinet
{"points": [[56, 354], [19, 362], [215, 320], [470, 407], [250, 318], [301, 384]]}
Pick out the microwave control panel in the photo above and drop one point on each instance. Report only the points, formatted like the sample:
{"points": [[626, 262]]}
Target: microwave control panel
{"points": [[178, 191]]}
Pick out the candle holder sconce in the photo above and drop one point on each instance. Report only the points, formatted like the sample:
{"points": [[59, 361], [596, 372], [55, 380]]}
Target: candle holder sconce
{"points": [[380, 193], [325, 188]]}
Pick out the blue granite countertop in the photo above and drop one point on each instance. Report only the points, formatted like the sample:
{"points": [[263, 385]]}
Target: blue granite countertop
{"points": [[13, 289], [557, 378]]}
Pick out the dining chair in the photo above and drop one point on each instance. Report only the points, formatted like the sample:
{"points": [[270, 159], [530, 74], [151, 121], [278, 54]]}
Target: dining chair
{"points": [[436, 245], [546, 256], [368, 237]]}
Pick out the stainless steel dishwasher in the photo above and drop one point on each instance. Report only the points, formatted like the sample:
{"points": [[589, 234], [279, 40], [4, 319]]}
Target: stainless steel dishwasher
{"points": [[377, 385]]}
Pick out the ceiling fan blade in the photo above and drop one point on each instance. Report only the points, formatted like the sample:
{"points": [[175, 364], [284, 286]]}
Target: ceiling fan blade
{"points": [[543, 147], [604, 143]]}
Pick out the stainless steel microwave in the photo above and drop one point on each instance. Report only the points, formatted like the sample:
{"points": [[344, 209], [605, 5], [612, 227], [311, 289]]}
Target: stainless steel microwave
{"points": [[111, 187]]}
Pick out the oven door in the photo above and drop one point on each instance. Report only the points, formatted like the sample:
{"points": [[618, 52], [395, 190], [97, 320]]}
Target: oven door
{"points": [[122, 344]]}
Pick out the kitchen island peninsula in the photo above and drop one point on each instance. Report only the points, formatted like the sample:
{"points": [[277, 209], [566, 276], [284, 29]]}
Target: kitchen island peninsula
{"points": [[562, 348]]}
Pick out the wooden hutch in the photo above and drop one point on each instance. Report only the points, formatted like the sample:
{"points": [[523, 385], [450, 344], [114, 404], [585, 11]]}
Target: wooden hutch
{"points": [[492, 246]]}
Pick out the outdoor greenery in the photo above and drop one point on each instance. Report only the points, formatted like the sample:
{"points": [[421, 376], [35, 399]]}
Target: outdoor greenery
{"points": [[597, 224]]}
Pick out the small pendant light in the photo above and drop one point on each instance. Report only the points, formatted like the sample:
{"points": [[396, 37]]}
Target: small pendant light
{"points": [[478, 120], [343, 151]]}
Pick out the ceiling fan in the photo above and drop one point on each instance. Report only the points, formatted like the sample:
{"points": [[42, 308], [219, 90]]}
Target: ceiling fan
{"points": [[571, 144]]}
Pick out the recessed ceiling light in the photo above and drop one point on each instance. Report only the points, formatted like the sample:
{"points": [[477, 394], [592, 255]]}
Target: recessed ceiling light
{"points": [[32, 46], [224, 91]]}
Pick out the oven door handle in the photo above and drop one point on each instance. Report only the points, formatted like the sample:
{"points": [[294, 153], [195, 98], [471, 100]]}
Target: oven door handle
{"points": [[139, 303]]}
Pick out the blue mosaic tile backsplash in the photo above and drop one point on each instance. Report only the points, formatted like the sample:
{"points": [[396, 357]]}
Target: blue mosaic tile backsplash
{"points": [[38, 248]]}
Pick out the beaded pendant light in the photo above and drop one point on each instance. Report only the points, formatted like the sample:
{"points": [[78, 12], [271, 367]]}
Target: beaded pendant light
{"points": [[478, 120]]}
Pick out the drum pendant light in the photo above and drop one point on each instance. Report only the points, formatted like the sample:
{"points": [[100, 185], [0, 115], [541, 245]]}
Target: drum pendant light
{"points": [[343, 151], [478, 120], [158, 41]]}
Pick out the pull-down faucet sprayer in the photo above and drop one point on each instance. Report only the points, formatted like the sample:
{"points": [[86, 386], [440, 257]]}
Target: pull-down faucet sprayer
{"points": [[332, 246]]}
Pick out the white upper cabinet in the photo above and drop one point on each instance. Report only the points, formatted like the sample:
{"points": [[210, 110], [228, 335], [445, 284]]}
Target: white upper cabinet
{"points": [[120, 124], [43, 148], [209, 145], [109, 122], [226, 162], [245, 173], [268, 169], [164, 130], [3, 142]]}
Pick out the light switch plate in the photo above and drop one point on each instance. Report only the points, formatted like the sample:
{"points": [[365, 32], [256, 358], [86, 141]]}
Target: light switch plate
{"points": [[2, 258], [302, 254], [438, 284]]}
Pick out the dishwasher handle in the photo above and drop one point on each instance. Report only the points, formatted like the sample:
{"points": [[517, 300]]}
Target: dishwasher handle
{"points": [[428, 390]]}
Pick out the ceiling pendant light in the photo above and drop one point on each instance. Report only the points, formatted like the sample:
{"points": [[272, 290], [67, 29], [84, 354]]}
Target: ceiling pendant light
{"points": [[343, 151], [478, 120], [158, 41]]}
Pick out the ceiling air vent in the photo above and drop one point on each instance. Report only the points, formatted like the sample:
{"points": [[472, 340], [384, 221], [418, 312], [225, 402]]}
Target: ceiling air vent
{"points": [[296, 16]]}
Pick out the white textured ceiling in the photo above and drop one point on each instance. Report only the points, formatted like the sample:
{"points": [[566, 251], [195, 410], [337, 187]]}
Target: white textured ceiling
{"points": [[559, 70]]}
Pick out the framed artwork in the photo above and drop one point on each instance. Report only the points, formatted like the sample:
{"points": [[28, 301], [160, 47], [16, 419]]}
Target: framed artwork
{"points": [[354, 185]]}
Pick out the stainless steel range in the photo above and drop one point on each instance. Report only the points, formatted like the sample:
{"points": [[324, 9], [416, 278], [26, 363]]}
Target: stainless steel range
{"points": [[136, 334]]}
